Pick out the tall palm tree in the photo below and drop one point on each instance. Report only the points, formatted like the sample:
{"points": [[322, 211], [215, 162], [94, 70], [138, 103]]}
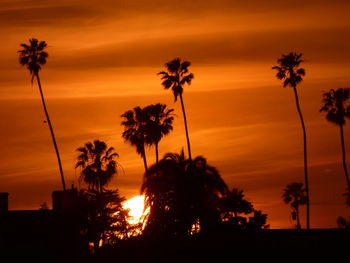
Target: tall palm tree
{"points": [[159, 124], [97, 163], [135, 130], [33, 57], [295, 195], [176, 76], [288, 70], [334, 104]]}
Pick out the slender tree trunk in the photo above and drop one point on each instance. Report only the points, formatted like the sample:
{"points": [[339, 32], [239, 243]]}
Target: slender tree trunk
{"points": [[52, 134], [157, 153], [344, 156], [186, 129], [298, 219], [305, 160], [144, 158]]}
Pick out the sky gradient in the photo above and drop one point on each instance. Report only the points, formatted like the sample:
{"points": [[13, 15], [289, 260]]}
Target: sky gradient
{"points": [[103, 60]]}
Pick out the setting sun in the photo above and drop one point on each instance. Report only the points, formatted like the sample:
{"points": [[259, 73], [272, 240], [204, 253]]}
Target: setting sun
{"points": [[136, 205]]}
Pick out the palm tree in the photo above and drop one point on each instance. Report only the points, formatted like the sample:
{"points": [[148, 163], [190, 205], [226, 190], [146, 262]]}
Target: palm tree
{"points": [[207, 189], [159, 124], [97, 163], [288, 70], [33, 57], [176, 77], [180, 193], [233, 205], [135, 130], [334, 105], [235, 202], [295, 195], [165, 188]]}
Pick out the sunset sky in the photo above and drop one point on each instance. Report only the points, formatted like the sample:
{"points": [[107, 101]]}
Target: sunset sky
{"points": [[103, 60]]}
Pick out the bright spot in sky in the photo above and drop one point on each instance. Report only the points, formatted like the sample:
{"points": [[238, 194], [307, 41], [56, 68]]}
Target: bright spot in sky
{"points": [[136, 205]]}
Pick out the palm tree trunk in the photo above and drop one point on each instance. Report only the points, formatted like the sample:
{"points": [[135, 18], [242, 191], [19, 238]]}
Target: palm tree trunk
{"points": [[144, 158], [298, 219], [157, 158], [52, 134], [157, 153], [305, 160], [344, 158], [186, 129]]}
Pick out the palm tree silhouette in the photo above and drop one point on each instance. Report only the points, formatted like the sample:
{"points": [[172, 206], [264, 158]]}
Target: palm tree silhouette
{"points": [[235, 202], [33, 57], [334, 105], [176, 77], [97, 163], [233, 205], [159, 124], [135, 130], [289, 71], [294, 194], [179, 193], [207, 189], [165, 188]]}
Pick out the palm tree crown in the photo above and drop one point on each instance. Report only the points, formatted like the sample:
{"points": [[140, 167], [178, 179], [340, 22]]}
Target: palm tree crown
{"points": [[180, 193], [288, 69], [135, 123], [159, 123], [294, 194], [33, 56], [334, 104], [97, 163], [177, 76]]}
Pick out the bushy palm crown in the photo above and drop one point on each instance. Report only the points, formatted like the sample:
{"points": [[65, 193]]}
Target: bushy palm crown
{"points": [[335, 105], [235, 202], [178, 192], [97, 163], [176, 76], [294, 194], [159, 122], [33, 56], [135, 128], [288, 69]]}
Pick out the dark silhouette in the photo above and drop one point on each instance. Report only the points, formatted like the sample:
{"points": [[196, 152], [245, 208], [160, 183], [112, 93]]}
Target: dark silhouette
{"points": [[33, 57], [135, 130], [181, 194], [176, 76], [294, 194], [107, 220], [44, 206], [289, 71], [234, 211], [343, 223], [334, 104], [159, 124], [234, 204], [97, 163], [347, 198], [257, 221]]}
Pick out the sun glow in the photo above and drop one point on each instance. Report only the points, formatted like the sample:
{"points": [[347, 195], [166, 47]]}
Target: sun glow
{"points": [[136, 206]]}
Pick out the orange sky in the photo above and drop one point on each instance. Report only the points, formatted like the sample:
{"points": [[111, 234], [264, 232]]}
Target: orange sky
{"points": [[104, 56]]}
